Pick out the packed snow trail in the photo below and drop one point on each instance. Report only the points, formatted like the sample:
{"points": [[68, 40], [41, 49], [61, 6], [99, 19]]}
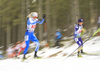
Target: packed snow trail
{"points": [[71, 64], [55, 62]]}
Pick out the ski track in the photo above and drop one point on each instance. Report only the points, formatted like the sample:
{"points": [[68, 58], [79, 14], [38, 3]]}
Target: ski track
{"points": [[58, 62]]}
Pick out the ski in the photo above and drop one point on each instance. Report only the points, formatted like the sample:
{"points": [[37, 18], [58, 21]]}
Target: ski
{"points": [[92, 54], [38, 58], [31, 58], [26, 58]]}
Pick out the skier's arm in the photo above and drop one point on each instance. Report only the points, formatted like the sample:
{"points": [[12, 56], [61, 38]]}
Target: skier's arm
{"points": [[41, 21], [83, 31]]}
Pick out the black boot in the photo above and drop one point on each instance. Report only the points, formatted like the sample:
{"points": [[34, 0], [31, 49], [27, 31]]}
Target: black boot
{"points": [[35, 55], [78, 53], [24, 56], [82, 52]]}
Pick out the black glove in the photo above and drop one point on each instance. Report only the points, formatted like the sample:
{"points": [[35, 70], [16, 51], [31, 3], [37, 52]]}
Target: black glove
{"points": [[39, 19], [43, 16]]}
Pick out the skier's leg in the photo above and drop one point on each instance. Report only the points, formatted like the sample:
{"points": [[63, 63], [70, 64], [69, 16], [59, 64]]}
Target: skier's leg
{"points": [[79, 52], [27, 41], [56, 42], [35, 40], [82, 50], [27, 46], [82, 45], [59, 42], [77, 40], [37, 48], [58, 45], [37, 45]]}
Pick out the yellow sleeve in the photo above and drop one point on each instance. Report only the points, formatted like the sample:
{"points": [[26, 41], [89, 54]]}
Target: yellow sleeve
{"points": [[83, 30]]}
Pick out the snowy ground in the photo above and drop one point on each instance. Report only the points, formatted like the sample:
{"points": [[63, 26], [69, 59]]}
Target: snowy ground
{"points": [[54, 59]]}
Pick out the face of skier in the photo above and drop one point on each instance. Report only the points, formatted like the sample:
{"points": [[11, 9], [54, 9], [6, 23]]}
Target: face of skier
{"points": [[34, 18], [80, 23], [34, 15]]}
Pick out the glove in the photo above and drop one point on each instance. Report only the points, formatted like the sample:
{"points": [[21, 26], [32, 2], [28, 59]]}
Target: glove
{"points": [[83, 30], [43, 16], [39, 19]]}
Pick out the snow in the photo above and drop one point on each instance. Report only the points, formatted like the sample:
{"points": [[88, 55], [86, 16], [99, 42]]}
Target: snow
{"points": [[58, 62]]}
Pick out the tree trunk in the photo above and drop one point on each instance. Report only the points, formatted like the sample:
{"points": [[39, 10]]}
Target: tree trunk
{"points": [[54, 11], [54, 24], [92, 13], [27, 7], [0, 30], [40, 26], [0, 37], [8, 41], [13, 34], [48, 19], [23, 25], [19, 32], [3, 37]]}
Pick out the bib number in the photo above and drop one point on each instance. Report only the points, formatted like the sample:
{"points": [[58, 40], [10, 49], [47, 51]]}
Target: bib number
{"points": [[76, 39]]}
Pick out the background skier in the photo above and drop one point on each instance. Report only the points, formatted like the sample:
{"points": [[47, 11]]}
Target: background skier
{"points": [[78, 31], [58, 37]]}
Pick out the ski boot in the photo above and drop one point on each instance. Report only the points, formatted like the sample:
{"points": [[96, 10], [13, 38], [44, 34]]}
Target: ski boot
{"points": [[24, 57], [82, 52], [35, 55], [79, 54]]}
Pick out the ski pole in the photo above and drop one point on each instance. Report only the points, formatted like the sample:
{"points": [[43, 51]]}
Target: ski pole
{"points": [[96, 32], [79, 46], [84, 42]]}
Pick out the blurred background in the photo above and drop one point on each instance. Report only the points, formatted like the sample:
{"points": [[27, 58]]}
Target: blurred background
{"points": [[60, 14]]}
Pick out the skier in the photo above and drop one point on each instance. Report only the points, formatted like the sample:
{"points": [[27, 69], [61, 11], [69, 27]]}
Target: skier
{"points": [[78, 31], [29, 35], [58, 37]]}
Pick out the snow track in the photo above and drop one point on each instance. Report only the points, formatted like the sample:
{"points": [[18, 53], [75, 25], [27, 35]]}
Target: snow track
{"points": [[56, 62]]}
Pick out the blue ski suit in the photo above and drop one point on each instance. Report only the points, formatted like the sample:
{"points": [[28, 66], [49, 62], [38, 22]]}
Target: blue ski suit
{"points": [[29, 35], [77, 34], [58, 34]]}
